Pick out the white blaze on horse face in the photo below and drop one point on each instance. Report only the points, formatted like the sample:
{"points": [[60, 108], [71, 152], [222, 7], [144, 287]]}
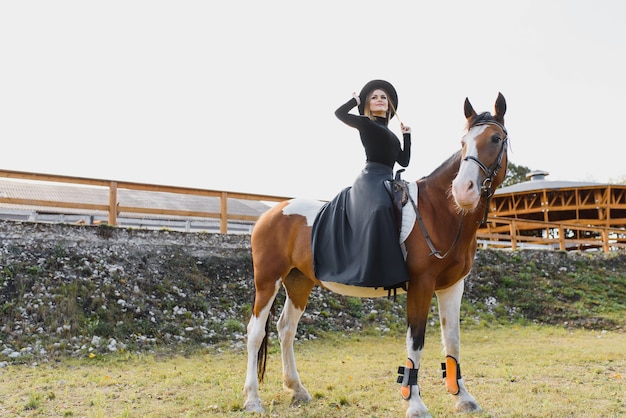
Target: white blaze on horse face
{"points": [[304, 207], [466, 184]]}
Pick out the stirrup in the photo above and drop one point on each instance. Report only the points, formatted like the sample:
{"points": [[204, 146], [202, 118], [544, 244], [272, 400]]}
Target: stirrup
{"points": [[452, 373], [407, 378]]}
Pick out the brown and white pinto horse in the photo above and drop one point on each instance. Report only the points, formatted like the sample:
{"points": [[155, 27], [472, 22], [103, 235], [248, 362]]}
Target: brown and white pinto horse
{"points": [[452, 201]]}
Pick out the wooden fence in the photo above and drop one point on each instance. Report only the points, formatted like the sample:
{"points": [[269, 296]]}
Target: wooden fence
{"points": [[499, 232], [513, 233], [113, 208]]}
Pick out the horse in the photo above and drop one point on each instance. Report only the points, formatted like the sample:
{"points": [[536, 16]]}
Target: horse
{"points": [[451, 204]]}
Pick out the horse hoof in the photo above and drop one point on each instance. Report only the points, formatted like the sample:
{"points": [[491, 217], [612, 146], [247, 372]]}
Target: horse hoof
{"points": [[418, 415], [301, 396], [253, 407], [467, 406], [420, 412]]}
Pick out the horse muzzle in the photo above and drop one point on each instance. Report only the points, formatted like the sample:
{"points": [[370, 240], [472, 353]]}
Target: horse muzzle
{"points": [[466, 194]]}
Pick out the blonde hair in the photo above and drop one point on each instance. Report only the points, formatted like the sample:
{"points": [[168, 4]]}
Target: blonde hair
{"points": [[390, 111]]}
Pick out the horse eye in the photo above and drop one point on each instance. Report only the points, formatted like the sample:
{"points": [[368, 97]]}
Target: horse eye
{"points": [[496, 138]]}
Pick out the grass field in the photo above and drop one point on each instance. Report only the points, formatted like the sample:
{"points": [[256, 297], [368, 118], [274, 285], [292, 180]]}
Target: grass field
{"points": [[511, 371]]}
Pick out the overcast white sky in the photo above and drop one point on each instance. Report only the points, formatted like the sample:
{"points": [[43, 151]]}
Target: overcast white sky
{"points": [[240, 95]]}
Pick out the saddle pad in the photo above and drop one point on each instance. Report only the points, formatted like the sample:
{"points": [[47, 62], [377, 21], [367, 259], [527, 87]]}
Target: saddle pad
{"points": [[408, 215]]}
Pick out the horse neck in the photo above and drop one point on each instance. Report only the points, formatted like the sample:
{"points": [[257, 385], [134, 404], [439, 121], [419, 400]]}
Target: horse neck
{"points": [[440, 180]]}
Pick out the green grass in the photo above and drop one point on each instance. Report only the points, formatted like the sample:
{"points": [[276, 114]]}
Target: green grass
{"points": [[512, 371]]}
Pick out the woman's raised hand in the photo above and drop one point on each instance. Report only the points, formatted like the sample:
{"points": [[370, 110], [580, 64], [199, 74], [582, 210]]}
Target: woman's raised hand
{"points": [[356, 96], [405, 129]]}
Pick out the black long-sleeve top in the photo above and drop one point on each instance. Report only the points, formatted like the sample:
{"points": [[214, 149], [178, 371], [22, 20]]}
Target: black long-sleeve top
{"points": [[380, 143]]}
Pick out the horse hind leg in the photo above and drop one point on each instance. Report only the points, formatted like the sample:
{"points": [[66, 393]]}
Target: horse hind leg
{"points": [[449, 312], [257, 337], [297, 288]]}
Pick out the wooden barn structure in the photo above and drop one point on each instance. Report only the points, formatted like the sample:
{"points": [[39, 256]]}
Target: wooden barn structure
{"points": [[562, 215]]}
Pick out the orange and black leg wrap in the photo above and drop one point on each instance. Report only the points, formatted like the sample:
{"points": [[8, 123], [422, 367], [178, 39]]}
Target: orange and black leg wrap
{"points": [[452, 373], [407, 378]]}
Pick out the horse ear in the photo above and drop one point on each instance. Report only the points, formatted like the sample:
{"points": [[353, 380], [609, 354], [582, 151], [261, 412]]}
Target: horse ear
{"points": [[500, 108], [469, 110]]}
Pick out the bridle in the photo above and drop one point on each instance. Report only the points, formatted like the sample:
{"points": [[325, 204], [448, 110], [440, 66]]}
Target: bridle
{"points": [[492, 171]]}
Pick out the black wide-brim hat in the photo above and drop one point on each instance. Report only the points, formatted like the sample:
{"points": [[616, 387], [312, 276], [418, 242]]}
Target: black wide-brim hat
{"points": [[378, 84]]}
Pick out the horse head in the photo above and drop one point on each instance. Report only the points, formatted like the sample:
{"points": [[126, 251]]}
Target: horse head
{"points": [[483, 156]]}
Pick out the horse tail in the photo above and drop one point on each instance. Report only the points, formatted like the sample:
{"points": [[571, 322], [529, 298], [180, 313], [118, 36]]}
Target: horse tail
{"points": [[262, 354]]}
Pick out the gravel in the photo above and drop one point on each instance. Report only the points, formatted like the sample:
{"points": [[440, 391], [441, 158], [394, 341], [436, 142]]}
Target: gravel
{"points": [[82, 291]]}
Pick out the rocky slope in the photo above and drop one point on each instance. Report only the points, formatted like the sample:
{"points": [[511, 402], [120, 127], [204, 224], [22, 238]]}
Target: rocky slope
{"points": [[68, 290]]}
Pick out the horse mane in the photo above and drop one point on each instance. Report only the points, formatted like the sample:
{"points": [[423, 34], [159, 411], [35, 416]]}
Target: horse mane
{"points": [[453, 160], [483, 117]]}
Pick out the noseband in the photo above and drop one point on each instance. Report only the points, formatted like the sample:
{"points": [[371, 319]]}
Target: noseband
{"points": [[492, 171]]}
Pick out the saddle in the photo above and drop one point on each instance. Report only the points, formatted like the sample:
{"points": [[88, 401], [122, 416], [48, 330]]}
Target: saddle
{"points": [[399, 193]]}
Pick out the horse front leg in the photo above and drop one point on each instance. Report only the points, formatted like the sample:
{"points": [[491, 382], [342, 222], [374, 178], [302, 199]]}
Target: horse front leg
{"points": [[449, 313], [419, 298], [298, 289]]}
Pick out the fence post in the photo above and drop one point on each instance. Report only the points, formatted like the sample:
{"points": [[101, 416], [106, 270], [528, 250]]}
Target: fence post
{"points": [[224, 213], [562, 238], [113, 203], [605, 240], [513, 232]]}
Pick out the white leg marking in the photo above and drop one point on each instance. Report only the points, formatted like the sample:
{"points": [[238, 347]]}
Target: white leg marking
{"points": [[256, 333], [287, 327], [417, 407], [449, 313]]}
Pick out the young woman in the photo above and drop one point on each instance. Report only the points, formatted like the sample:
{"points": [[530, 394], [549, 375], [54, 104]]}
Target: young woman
{"points": [[355, 237]]}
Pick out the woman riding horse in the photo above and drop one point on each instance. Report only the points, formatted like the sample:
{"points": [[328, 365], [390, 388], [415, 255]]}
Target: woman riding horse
{"points": [[355, 236], [449, 205]]}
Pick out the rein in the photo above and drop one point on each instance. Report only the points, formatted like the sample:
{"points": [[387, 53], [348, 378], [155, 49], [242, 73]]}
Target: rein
{"points": [[492, 171], [420, 221], [485, 190]]}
